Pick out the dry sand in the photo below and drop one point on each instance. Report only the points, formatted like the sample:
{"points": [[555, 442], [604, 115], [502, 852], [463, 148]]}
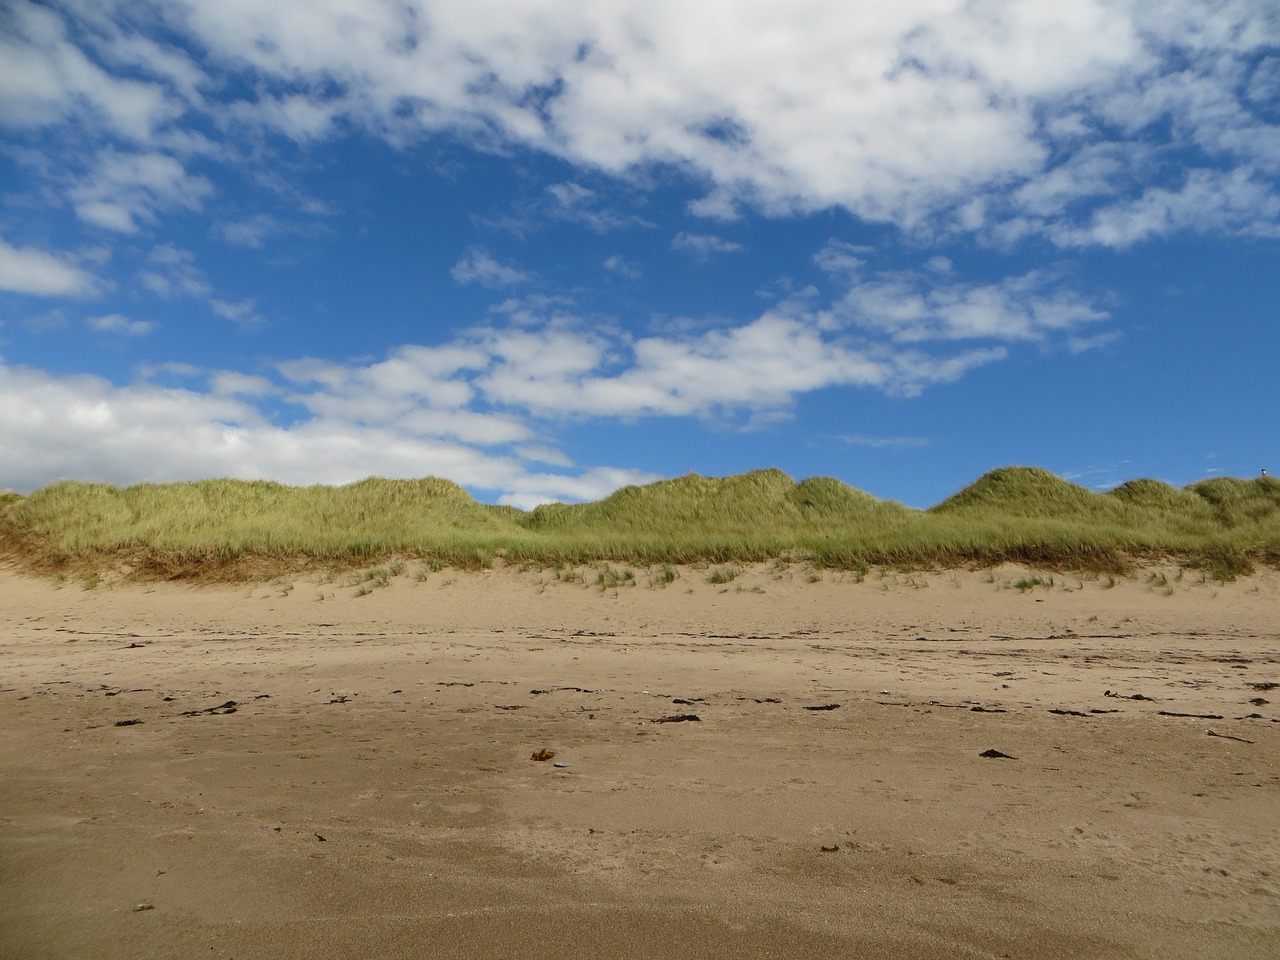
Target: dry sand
{"points": [[373, 792]]}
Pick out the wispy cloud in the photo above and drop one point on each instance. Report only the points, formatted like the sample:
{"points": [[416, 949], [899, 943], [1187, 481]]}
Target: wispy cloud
{"points": [[244, 313], [703, 245], [250, 232], [575, 203], [623, 267], [919, 306], [842, 260], [124, 190], [480, 266], [601, 211], [172, 272], [881, 443], [118, 323]]}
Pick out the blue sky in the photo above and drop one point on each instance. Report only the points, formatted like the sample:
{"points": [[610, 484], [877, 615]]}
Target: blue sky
{"points": [[546, 249]]}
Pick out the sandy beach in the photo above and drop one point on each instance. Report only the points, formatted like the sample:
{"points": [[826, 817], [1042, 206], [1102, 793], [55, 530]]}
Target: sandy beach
{"points": [[786, 764]]}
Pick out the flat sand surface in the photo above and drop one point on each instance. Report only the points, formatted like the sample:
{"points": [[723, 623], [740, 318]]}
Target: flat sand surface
{"points": [[289, 770]]}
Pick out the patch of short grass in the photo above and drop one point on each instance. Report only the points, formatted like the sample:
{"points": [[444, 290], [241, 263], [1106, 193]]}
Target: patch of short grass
{"points": [[663, 575], [724, 575], [609, 577], [1030, 583]]}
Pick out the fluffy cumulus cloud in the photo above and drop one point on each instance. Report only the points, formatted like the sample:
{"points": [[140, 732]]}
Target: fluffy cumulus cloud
{"points": [[905, 112], [43, 274], [47, 77], [86, 427], [126, 189]]}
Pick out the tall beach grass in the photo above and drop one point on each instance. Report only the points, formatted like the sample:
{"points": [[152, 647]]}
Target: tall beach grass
{"points": [[230, 528]]}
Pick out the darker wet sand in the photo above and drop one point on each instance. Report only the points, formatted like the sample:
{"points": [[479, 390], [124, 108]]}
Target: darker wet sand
{"points": [[316, 774]]}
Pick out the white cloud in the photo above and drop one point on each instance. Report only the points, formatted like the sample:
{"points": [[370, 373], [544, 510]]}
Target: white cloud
{"points": [[720, 204], [927, 114], [479, 266], [1208, 201], [535, 309], [842, 260], [539, 369], [125, 189], [84, 427], [913, 307], [879, 443], [763, 364], [537, 453], [117, 323], [571, 195], [42, 274], [895, 332], [424, 391], [250, 232], [578, 204], [1079, 344], [301, 117], [47, 79], [533, 489], [702, 245], [1095, 170], [175, 274], [623, 267], [759, 368], [486, 388], [243, 313], [173, 368], [1264, 82], [230, 383]]}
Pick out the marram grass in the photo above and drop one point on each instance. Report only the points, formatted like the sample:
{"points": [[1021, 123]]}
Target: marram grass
{"points": [[230, 528]]}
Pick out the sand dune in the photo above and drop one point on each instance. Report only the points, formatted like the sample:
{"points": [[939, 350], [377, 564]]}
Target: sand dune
{"points": [[291, 771]]}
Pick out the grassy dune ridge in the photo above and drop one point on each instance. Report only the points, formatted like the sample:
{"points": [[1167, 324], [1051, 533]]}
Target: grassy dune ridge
{"points": [[234, 528]]}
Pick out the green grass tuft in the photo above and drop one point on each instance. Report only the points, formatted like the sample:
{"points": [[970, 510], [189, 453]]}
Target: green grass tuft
{"points": [[1030, 583], [723, 575]]}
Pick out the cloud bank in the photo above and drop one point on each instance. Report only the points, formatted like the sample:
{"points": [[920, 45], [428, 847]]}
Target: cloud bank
{"points": [[483, 408], [1087, 122]]}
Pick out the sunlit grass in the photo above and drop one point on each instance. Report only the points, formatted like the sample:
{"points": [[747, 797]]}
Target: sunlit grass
{"points": [[258, 530]]}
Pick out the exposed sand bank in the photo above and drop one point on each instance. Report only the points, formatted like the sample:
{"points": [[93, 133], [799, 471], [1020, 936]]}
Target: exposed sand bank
{"points": [[398, 726]]}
